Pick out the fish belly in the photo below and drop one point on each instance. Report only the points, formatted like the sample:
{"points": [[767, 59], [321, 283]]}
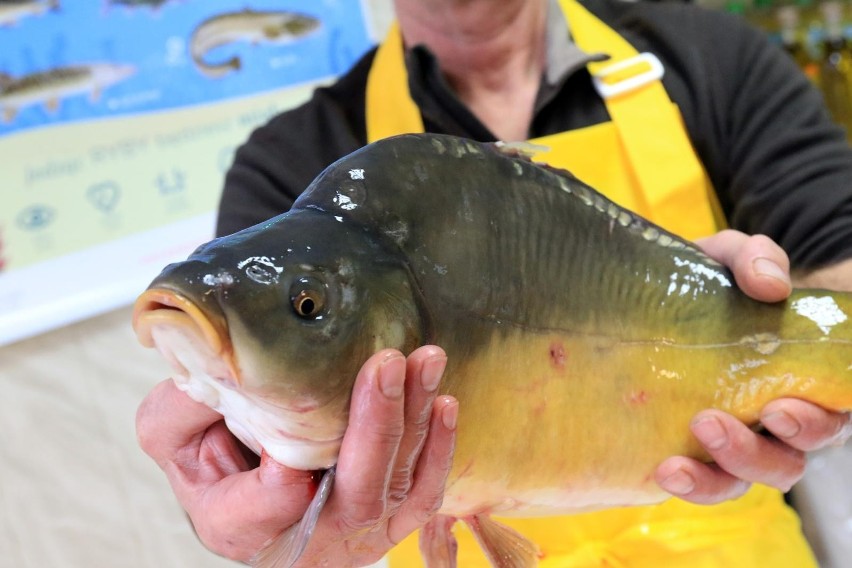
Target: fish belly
{"points": [[554, 423]]}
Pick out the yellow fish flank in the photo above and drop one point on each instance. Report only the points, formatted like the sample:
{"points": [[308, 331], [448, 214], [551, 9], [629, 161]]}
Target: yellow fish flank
{"points": [[581, 339]]}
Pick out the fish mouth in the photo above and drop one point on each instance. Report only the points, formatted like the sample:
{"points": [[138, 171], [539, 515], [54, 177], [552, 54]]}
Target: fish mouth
{"points": [[159, 308]]}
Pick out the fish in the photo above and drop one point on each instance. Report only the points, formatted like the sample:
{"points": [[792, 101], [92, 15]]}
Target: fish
{"points": [[581, 338], [51, 86], [13, 11], [270, 27]]}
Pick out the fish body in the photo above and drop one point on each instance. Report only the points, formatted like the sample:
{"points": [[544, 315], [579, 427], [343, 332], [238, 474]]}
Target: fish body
{"points": [[581, 338], [270, 27], [51, 86], [12, 11]]}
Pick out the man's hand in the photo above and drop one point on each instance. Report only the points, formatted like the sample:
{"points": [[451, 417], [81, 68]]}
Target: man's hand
{"points": [[741, 456], [391, 471]]}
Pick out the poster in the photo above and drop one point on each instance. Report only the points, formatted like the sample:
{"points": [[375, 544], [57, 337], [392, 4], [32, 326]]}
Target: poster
{"points": [[118, 119]]}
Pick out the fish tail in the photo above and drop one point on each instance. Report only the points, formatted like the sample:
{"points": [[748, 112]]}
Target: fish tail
{"points": [[503, 545], [811, 356], [285, 550]]}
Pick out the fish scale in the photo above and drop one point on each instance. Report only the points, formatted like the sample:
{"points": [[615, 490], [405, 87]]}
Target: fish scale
{"points": [[581, 339]]}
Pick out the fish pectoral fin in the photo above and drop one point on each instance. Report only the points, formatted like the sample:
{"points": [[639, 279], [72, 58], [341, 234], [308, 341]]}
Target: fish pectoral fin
{"points": [[284, 550], [9, 114], [438, 546], [95, 95], [271, 32], [503, 545], [52, 104]]}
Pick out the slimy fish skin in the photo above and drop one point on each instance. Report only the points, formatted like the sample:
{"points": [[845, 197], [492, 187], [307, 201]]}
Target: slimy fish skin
{"points": [[581, 338]]}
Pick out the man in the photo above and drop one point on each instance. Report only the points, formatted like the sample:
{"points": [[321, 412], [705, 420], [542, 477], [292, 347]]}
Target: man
{"points": [[747, 124]]}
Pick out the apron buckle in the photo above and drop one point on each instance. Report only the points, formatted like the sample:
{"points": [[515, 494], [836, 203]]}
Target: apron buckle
{"points": [[627, 75]]}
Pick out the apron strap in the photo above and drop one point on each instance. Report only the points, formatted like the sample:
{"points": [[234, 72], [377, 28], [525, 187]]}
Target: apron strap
{"points": [[390, 109], [651, 130]]}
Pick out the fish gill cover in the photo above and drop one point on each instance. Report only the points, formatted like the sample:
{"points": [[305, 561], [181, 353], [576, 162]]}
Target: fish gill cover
{"points": [[64, 61]]}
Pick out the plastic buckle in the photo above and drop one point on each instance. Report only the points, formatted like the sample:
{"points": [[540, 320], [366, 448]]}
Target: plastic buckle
{"points": [[608, 90]]}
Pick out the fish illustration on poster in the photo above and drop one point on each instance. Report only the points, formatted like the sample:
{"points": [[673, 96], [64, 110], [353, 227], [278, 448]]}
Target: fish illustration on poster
{"points": [[149, 55], [118, 121]]}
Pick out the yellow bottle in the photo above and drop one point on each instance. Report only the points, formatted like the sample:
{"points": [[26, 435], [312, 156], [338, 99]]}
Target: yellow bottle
{"points": [[836, 66]]}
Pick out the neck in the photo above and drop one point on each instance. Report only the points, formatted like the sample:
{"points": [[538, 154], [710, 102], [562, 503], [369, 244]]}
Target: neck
{"points": [[492, 53]]}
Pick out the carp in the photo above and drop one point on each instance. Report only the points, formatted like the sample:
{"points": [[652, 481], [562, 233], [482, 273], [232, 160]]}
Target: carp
{"points": [[592, 332]]}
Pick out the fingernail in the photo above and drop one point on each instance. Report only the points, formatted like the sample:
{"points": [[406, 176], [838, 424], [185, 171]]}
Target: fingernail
{"points": [[450, 415], [710, 432], [782, 424], [392, 376], [765, 267], [433, 369], [679, 483]]}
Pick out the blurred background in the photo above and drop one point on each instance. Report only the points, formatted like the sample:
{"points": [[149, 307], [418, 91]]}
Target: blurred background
{"points": [[117, 123]]}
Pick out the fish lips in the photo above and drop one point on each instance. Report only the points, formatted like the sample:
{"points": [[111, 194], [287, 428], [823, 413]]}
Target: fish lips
{"points": [[164, 308]]}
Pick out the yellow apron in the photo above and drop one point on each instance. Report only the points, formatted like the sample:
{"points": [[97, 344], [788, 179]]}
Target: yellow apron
{"points": [[643, 160]]}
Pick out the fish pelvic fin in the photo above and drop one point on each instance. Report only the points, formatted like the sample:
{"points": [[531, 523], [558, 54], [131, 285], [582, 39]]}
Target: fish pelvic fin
{"points": [[438, 546], [272, 32], [503, 545], [284, 550]]}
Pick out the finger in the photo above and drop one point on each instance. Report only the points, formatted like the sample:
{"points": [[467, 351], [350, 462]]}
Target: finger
{"points": [[371, 443], [700, 483], [220, 454], [760, 266], [805, 426], [424, 369], [745, 454], [168, 421], [240, 513], [430, 477]]}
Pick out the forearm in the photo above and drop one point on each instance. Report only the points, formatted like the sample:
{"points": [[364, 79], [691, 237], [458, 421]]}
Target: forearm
{"points": [[834, 277]]}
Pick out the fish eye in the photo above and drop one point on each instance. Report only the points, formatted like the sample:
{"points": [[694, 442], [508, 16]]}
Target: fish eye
{"points": [[307, 298]]}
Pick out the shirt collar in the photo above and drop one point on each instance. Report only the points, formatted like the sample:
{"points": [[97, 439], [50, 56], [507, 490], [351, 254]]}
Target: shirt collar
{"points": [[564, 57]]}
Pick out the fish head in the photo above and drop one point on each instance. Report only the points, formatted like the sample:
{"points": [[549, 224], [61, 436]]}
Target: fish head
{"points": [[269, 326]]}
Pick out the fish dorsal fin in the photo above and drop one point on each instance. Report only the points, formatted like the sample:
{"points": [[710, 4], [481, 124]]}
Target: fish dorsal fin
{"points": [[284, 550], [503, 545], [526, 151], [521, 149], [5, 80]]}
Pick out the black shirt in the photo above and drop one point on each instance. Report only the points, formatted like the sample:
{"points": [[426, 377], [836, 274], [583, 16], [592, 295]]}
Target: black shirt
{"points": [[779, 165]]}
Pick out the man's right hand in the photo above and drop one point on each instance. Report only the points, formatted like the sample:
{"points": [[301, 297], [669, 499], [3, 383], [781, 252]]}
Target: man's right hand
{"points": [[391, 471]]}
